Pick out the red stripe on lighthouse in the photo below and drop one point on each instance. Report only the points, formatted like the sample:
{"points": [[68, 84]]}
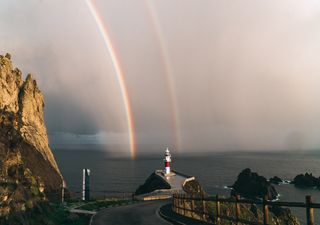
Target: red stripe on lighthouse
{"points": [[167, 164]]}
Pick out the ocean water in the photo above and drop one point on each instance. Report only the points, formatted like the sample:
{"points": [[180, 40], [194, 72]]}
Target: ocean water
{"points": [[215, 171]]}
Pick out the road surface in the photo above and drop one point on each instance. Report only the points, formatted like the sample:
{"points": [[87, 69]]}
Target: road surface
{"points": [[141, 213]]}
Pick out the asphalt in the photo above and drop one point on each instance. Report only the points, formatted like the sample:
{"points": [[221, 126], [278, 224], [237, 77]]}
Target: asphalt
{"points": [[145, 213]]}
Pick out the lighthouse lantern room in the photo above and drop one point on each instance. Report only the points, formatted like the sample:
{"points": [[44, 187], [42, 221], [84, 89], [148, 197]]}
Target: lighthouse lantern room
{"points": [[167, 162]]}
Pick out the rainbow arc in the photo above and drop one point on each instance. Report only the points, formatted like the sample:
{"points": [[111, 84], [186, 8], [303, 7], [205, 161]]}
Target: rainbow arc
{"points": [[168, 72], [105, 34]]}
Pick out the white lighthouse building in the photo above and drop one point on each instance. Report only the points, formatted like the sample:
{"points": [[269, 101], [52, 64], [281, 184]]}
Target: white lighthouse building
{"points": [[167, 162], [175, 180]]}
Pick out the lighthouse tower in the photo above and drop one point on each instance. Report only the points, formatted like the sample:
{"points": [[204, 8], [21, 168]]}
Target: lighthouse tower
{"points": [[167, 162]]}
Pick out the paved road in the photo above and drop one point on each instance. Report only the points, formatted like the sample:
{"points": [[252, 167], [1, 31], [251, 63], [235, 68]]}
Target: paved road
{"points": [[175, 180], [141, 213]]}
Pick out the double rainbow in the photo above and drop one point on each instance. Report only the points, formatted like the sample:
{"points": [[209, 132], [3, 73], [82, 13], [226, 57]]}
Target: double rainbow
{"points": [[105, 34]]}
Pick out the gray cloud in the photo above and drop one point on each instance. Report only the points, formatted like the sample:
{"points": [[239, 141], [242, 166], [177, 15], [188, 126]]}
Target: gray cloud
{"points": [[246, 73]]}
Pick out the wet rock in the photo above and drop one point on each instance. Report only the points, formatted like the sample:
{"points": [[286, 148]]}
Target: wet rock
{"points": [[275, 180], [306, 180], [251, 185]]}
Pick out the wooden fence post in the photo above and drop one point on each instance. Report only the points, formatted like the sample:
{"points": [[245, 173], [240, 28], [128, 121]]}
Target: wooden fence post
{"points": [[180, 203], [184, 205], [173, 201], [177, 203], [309, 210], [192, 206], [203, 207], [217, 210], [265, 209], [237, 209]]}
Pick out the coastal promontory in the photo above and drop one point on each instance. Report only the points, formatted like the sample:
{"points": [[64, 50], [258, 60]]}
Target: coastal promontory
{"points": [[29, 175]]}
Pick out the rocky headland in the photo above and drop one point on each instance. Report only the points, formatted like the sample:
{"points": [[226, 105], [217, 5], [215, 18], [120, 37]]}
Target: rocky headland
{"points": [[251, 185], [29, 174], [152, 183]]}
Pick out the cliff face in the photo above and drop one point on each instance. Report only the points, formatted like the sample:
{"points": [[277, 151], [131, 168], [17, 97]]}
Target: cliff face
{"points": [[28, 171]]}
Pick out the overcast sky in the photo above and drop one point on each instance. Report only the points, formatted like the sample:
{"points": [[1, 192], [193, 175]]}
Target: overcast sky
{"points": [[246, 74]]}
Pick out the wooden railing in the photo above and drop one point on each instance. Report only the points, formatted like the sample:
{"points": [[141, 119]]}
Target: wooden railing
{"points": [[196, 207]]}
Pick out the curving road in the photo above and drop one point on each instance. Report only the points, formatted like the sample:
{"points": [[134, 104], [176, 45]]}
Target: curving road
{"points": [[142, 213]]}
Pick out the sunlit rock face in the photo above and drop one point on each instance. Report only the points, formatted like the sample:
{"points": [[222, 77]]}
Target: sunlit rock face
{"points": [[28, 171]]}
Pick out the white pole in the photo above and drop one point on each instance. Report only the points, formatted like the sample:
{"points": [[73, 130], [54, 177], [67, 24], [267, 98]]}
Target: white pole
{"points": [[62, 191], [84, 184]]}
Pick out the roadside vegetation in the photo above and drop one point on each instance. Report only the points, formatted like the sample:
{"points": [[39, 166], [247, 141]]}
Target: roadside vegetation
{"points": [[61, 216], [102, 204]]}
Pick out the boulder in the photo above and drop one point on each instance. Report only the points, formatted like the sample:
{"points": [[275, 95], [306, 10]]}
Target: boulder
{"points": [[193, 187], [251, 185], [275, 180], [306, 180], [153, 182]]}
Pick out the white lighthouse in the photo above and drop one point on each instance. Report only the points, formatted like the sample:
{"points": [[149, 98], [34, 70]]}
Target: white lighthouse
{"points": [[167, 162]]}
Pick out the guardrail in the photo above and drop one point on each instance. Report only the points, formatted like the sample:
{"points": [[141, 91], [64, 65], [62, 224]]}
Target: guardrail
{"points": [[195, 206]]}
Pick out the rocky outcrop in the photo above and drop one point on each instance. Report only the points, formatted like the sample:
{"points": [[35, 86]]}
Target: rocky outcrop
{"points": [[283, 216], [249, 212], [153, 182], [193, 187], [251, 185], [306, 180], [29, 173], [275, 180]]}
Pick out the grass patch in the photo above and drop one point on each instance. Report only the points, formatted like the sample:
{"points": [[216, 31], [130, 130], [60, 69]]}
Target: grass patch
{"points": [[61, 216], [100, 204]]}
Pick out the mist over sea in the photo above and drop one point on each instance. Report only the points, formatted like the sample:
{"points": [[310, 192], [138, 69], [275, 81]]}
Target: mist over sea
{"points": [[112, 175]]}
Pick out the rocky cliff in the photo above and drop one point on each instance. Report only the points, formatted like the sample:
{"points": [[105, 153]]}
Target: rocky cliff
{"points": [[28, 171]]}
